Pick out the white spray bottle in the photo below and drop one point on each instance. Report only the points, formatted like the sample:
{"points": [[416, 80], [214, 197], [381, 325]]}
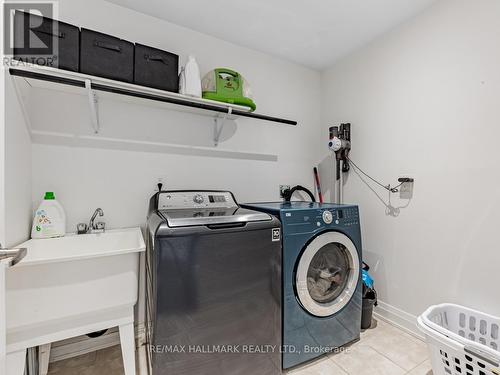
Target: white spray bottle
{"points": [[190, 80]]}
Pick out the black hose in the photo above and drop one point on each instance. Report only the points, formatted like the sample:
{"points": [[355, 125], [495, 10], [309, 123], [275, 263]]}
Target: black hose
{"points": [[287, 194]]}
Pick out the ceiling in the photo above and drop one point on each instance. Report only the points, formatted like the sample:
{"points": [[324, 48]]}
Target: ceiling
{"points": [[314, 33]]}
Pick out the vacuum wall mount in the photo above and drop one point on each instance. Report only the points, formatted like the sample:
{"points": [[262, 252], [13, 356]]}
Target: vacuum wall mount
{"points": [[340, 144]]}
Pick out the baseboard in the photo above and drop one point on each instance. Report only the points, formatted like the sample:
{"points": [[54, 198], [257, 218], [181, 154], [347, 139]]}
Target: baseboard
{"points": [[399, 318], [82, 344]]}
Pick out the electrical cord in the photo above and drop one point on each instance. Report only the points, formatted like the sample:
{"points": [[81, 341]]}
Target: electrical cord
{"points": [[394, 189], [390, 210], [287, 194]]}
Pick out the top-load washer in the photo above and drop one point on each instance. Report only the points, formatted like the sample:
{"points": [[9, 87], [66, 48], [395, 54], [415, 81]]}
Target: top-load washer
{"points": [[213, 286], [322, 290]]}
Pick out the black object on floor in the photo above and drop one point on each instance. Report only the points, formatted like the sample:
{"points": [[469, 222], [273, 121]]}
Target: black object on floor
{"points": [[369, 300]]}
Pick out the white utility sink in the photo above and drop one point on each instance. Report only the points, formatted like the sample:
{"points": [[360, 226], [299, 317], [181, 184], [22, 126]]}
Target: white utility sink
{"points": [[74, 285], [83, 246]]}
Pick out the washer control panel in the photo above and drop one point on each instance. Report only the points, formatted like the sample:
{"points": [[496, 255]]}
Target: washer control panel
{"points": [[322, 218], [346, 216], [195, 199], [343, 216]]}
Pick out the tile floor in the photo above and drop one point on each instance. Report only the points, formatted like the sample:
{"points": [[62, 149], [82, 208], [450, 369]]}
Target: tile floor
{"points": [[106, 361], [383, 350]]}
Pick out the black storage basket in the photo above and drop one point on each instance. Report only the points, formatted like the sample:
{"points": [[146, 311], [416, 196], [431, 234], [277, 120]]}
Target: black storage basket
{"points": [[106, 56], [44, 41], [156, 68]]}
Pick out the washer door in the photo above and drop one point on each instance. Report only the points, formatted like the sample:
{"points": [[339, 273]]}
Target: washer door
{"points": [[327, 274]]}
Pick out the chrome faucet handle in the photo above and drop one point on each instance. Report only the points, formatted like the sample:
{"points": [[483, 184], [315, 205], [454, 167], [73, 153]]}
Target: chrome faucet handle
{"points": [[100, 226], [81, 228]]}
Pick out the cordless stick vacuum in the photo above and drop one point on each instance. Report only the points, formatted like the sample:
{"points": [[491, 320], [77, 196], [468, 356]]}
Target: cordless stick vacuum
{"points": [[340, 144]]}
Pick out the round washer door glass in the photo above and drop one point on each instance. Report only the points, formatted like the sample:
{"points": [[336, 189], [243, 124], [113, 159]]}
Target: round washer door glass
{"points": [[327, 274]]}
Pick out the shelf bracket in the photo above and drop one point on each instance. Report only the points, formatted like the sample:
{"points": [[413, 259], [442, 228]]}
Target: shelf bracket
{"points": [[219, 122], [22, 103], [93, 101]]}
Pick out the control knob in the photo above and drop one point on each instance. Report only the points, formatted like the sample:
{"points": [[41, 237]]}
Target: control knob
{"points": [[327, 217], [198, 198]]}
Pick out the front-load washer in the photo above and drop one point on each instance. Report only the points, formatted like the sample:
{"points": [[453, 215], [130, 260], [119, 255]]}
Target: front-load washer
{"points": [[213, 300], [322, 290]]}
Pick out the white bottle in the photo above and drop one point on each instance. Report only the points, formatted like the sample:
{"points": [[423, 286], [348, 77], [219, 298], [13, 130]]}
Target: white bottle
{"points": [[190, 80], [182, 82], [50, 218]]}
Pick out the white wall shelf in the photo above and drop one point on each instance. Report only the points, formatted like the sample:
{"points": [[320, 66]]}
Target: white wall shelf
{"points": [[68, 81], [96, 88]]}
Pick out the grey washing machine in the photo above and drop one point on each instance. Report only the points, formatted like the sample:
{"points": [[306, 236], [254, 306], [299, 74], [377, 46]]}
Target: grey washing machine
{"points": [[321, 277], [213, 299]]}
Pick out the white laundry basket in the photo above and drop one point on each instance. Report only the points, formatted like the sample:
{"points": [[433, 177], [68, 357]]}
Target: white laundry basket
{"points": [[461, 341]]}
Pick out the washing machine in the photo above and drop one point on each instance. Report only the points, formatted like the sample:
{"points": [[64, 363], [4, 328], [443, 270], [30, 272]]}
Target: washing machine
{"points": [[213, 276], [322, 288]]}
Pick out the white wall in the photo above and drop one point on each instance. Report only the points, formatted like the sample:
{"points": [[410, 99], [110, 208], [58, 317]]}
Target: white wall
{"points": [[424, 101], [2, 160], [15, 209], [121, 182]]}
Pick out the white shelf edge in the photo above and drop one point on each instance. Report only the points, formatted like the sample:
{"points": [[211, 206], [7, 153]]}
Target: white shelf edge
{"points": [[122, 85], [91, 141], [73, 90]]}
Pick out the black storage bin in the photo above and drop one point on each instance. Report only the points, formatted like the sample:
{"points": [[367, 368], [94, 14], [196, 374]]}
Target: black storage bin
{"points": [[369, 300], [106, 56], [60, 42], [156, 68]]}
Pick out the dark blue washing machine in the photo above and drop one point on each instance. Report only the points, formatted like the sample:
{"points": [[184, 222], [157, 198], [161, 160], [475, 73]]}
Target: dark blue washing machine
{"points": [[322, 289]]}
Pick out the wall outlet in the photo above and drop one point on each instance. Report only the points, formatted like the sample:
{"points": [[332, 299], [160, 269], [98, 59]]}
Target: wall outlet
{"points": [[406, 188], [282, 189]]}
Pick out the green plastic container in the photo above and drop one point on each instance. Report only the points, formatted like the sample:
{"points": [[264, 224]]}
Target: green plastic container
{"points": [[226, 85]]}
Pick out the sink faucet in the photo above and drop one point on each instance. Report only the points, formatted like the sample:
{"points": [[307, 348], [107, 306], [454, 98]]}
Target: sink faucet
{"points": [[92, 227]]}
